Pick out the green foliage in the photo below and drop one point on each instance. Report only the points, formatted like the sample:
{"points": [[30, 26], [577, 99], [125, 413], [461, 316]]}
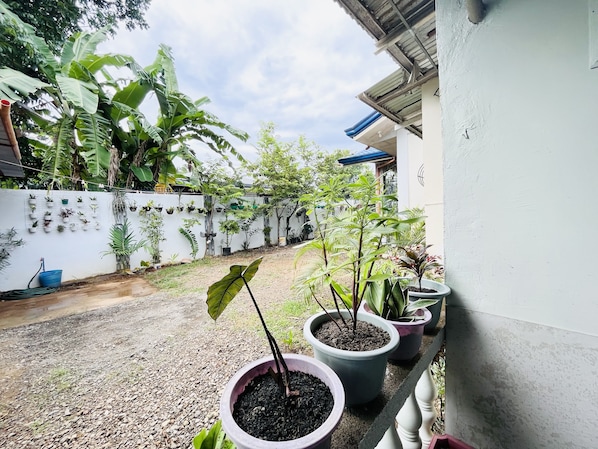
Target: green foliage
{"points": [[190, 236], [349, 243], [122, 244], [387, 298], [417, 261], [229, 228], [214, 438], [222, 292], [152, 226], [8, 242]]}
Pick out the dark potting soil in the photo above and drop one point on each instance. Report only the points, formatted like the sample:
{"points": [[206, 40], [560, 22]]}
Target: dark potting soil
{"points": [[264, 412], [366, 337], [421, 290]]}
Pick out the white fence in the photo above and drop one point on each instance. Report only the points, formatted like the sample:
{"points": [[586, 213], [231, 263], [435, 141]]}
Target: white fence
{"points": [[77, 250]]}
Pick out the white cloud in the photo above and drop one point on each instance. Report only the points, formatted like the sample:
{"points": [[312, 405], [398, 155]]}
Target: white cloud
{"points": [[298, 63]]}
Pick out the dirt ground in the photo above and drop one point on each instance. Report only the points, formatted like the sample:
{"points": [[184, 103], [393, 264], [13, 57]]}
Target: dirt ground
{"points": [[146, 371]]}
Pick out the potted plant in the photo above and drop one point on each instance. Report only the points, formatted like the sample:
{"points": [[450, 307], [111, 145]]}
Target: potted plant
{"points": [[133, 206], [386, 297], [123, 244], [190, 206], [229, 227], [304, 425], [49, 202], [416, 260], [65, 214], [170, 210], [32, 199], [79, 201], [180, 208], [158, 207], [33, 227], [32, 214], [60, 228], [349, 244], [65, 201]]}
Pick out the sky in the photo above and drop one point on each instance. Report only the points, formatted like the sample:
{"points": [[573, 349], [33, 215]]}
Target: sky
{"points": [[297, 63]]}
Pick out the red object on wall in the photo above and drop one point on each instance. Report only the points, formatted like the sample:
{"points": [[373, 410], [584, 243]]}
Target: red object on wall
{"points": [[447, 442]]}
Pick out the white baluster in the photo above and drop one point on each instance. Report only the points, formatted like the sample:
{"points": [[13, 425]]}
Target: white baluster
{"points": [[425, 393], [390, 440], [409, 421]]}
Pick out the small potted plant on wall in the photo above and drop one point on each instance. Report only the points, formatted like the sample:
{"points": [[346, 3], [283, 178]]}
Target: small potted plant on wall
{"points": [[65, 214], [295, 382], [49, 202], [33, 227]]}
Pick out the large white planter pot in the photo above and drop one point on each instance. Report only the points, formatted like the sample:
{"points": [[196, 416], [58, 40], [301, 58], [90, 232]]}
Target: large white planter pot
{"points": [[442, 291], [361, 372], [318, 439]]}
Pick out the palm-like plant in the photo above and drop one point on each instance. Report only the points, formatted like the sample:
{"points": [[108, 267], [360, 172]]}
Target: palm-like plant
{"points": [[122, 244]]}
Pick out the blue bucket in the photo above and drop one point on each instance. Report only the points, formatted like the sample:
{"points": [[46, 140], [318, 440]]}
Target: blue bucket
{"points": [[51, 278]]}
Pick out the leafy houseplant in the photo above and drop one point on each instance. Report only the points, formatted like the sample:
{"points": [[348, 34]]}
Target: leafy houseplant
{"points": [[152, 223], [283, 373], [122, 244], [228, 227], [349, 244], [418, 262], [387, 298]]}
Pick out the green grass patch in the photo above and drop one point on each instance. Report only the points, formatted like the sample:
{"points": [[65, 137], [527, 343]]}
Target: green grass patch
{"points": [[177, 279], [61, 379], [286, 323]]}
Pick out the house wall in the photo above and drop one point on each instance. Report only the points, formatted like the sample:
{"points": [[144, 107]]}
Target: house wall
{"points": [[519, 107], [433, 175], [409, 158], [79, 253]]}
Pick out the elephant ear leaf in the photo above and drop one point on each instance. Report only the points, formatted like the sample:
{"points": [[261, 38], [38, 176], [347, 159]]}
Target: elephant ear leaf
{"points": [[221, 293]]}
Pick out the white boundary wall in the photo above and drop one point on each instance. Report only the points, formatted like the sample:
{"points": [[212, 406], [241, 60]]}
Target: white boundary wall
{"points": [[79, 253]]}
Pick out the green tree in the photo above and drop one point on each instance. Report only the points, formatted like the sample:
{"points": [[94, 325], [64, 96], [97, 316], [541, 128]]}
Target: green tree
{"points": [[285, 171], [55, 21]]}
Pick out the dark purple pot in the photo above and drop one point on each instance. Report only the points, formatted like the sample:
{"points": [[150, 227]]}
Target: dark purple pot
{"points": [[410, 333]]}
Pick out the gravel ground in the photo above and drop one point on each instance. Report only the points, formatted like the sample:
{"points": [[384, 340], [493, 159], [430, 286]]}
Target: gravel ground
{"points": [[142, 374]]}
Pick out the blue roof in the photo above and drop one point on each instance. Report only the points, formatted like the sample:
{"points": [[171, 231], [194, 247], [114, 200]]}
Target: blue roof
{"points": [[367, 155], [362, 124]]}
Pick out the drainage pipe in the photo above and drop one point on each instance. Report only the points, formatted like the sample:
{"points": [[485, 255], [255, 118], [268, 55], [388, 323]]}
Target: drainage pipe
{"points": [[475, 11], [5, 118]]}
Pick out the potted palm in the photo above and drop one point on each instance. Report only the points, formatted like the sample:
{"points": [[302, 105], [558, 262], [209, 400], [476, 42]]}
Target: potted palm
{"points": [[416, 260], [288, 417], [348, 245], [123, 244]]}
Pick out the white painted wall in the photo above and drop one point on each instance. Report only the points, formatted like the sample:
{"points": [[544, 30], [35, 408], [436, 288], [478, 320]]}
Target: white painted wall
{"points": [[409, 158], [79, 253], [519, 113], [520, 108], [433, 174]]}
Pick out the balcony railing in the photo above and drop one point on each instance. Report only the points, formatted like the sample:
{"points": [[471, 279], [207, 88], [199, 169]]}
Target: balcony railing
{"points": [[407, 399]]}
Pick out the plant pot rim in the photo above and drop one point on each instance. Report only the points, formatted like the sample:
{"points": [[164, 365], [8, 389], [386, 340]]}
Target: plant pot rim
{"points": [[320, 317], [295, 362], [441, 289], [426, 320]]}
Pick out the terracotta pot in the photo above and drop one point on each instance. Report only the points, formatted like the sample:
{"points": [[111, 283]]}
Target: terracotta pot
{"points": [[318, 439], [447, 442]]}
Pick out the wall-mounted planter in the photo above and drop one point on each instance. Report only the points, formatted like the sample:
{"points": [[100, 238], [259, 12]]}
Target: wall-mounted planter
{"points": [[65, 201]]}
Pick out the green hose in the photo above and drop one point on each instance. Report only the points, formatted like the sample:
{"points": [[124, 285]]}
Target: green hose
{"points": [[13, 295]]}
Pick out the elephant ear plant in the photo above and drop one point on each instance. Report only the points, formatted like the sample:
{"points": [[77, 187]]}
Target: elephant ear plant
{"points": [[221, 293], [257, 412]]}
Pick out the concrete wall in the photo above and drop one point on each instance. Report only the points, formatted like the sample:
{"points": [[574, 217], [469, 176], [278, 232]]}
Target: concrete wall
{"points": [[78, 252], [519, 108], [433, 159]]}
